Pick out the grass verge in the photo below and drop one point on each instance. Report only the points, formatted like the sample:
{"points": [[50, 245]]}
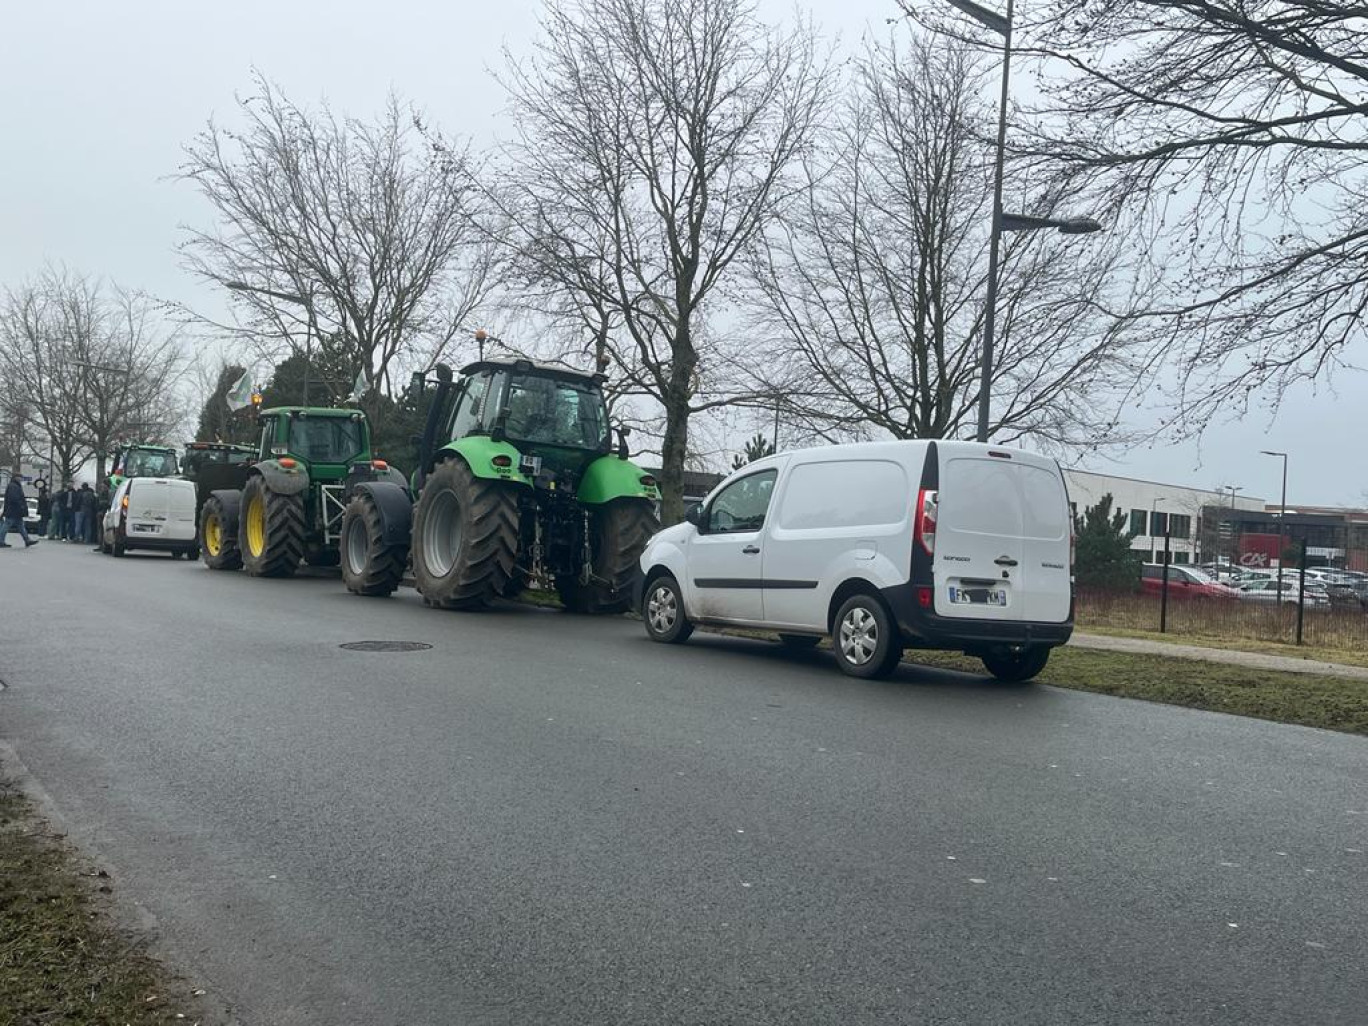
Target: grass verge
{"points": [[1324, 653], [1334, 703], [63, 961]]}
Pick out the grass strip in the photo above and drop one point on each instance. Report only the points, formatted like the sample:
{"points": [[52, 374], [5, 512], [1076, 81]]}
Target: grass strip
{"points": [[1322, 653], [63, 961], [1333, 703]]}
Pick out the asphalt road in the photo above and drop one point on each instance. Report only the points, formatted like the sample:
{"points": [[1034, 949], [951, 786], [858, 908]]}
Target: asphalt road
{"points": [[548, 819]]}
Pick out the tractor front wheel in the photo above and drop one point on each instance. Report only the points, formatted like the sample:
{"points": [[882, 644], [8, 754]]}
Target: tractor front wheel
{"points": [[270, 530], [219, 546], [619, 532], [369, 566], [465, 538]]}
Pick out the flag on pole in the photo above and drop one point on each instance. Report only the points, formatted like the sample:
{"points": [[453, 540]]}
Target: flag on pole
{"points": [[360, 387], [239, 397]]}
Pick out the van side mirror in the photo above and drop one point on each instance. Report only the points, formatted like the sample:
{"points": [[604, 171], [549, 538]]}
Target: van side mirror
{"points": [[694, 515]]}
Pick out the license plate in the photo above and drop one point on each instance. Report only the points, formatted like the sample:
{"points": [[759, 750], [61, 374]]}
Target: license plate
{"points": [[978, 596]]}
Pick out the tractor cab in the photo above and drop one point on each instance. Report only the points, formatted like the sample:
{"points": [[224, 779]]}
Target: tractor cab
{"points": [[327, 440], [142, 461]]}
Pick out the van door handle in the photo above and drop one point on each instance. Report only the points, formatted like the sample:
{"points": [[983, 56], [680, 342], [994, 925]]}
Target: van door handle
{"points": [[1005, 561], [751, 550]]}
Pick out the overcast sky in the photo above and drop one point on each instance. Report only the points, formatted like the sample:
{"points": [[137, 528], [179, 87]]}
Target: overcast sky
{"points": [[98, 97]]}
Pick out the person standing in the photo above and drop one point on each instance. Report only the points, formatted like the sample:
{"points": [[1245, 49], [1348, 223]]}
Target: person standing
{"points": [[44, 510], [85, 509], [96, 528], [13, 512], [60, 503]]}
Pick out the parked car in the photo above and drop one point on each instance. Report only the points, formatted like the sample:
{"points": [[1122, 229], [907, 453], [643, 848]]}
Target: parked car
{"points": [[1267, 591], [1185, 582], [883, 546], [154, 513]]}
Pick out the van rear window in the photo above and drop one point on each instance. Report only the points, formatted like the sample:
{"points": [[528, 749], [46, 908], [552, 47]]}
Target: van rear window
{"points": [[1015, 500], [848, 493]]}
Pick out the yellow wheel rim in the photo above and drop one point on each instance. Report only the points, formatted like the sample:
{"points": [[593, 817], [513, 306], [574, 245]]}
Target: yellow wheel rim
{"points": [[256, 525], [213, 535]]}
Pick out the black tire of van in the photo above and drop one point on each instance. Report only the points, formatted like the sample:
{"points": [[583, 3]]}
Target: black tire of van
{"points": [[666, 622], [1016, 667], [869, 620]]}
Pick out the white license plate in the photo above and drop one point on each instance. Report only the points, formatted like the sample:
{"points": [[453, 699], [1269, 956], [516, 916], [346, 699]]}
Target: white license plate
{"points": [[978, 596]]}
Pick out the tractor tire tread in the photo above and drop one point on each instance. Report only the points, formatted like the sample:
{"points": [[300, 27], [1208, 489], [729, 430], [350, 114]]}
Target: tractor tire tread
{"points": [[385, 564], [285, 531]]}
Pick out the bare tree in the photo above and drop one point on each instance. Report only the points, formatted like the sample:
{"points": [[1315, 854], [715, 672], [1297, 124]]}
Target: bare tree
{"points": [[655, 141], [872, 288], [36, 358], [369, 225], [1231, 136]]}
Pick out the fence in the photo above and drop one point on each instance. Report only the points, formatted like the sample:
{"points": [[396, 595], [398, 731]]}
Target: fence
{"points": [[1335, 619]]}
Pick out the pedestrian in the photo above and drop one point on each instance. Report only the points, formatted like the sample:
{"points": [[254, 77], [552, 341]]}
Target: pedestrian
{"points": [[13, 512], [85, 511], [60, 503], [44, 509], [96, 526]]}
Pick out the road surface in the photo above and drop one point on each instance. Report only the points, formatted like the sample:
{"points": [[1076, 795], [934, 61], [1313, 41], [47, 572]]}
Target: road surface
{"points": [[548, 819]]}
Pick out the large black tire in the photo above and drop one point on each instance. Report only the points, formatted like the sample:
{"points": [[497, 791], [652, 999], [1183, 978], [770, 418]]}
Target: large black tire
{"points": [[865, 638], [465, 538], [1014, 667], [619, 532], [368, 566], [270, 530], [218, 546]]}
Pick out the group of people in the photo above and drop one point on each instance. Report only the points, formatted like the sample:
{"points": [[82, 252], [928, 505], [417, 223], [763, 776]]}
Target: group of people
{"points": [[71, 514]]}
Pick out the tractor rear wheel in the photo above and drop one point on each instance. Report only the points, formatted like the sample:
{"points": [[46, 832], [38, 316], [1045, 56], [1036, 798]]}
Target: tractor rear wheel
{"points": [[270, 530], [369, 566], [619, 532], [465, 538], [219, 545]]}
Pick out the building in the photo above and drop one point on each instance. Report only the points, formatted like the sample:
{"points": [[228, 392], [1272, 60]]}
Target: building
{"points": [[1333, 535], [1189, 516]]}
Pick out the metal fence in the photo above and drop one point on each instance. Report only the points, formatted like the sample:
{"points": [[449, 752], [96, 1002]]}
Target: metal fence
{"points": [[1305, 613]]}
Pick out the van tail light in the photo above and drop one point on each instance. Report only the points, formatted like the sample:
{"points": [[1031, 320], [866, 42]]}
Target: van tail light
{"points": [[124, 503], [925, 530], [1073, 546], [924, 597]]}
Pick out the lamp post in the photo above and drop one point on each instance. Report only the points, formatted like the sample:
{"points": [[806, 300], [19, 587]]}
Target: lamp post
{"points": [[1282, 518], [1003, 222], [306, 301], [1154, 552]]}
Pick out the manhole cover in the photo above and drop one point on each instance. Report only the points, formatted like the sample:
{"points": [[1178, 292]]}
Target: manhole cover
{"points": [[385, 646]]}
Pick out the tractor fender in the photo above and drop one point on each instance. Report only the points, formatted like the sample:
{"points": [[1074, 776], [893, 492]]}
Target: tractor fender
{"points": [[282, 480], [395, 508], [611, 477], [479, 452], [230, 501]]}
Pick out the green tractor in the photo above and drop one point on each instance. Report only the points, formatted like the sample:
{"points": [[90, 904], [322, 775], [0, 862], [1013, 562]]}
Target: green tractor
{"points": [[517, 481], [285, 507], [137, 460]]}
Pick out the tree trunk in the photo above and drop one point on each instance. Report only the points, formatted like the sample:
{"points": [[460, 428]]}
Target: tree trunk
{"points": [[99, 466], [673, 451]]}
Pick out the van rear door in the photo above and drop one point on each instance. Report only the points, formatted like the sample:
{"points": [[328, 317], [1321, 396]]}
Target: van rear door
{"points": [[1002, 546], [149, 506]]}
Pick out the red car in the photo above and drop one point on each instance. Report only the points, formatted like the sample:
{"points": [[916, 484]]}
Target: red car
{"points": [[1184, 582]]}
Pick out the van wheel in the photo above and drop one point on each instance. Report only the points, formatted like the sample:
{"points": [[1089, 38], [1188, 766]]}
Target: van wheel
{"points": [[865, 639], [799, 642], [1015, 667], [662, 607]]}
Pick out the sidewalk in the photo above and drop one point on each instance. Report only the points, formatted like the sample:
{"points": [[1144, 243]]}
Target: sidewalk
{"points": [[1258, 660]]}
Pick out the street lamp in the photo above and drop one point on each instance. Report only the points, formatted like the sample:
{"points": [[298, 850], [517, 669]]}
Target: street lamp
{"points": [[306, 301], [1154, 551], [1003, 222], [1282, 517]]}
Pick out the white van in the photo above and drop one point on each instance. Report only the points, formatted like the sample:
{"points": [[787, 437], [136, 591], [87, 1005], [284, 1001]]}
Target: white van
{"points": [[156, 513], [883, 546]]}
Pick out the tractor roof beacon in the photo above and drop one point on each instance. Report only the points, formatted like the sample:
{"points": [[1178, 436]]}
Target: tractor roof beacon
{"points": [[285, 505], [518, 480]]}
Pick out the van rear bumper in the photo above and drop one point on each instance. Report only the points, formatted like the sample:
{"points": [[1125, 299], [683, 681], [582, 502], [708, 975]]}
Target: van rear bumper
{"points": [[152, 542], [922, 628]]}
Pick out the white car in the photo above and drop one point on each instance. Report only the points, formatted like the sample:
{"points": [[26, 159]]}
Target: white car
{"points": [[883, 546], [153, 513], [1267, 591]]}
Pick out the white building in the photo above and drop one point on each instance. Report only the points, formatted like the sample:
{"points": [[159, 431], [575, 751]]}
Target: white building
{"points": [[1152, 508]]}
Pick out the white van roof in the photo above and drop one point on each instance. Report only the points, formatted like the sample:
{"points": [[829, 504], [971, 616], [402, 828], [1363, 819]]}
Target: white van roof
{"points": [[901, 449]]}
